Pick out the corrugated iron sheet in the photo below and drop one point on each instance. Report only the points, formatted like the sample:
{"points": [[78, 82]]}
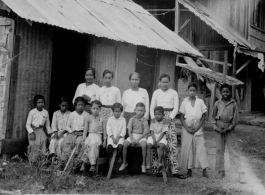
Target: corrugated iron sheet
{"points": [[225, 30], [119, 20]]}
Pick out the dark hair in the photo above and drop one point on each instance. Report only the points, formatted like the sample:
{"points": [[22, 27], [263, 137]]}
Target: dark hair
{"points": [[193, 85], [93, 71], [63, 99], [159, 109], [140, 104], [134, 73], [97, 102], [117, 106], [79, 99], [38, 97], [225, 86], [163, 75], [108, 72]]}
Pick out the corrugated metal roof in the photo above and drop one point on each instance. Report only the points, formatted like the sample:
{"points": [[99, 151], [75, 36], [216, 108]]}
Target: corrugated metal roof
{"points": [[224, 29], [119, 20]]}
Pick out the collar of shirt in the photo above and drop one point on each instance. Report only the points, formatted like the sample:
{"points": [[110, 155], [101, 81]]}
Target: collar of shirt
{"points": [[140, 119], [117, 118], [230, 102]]}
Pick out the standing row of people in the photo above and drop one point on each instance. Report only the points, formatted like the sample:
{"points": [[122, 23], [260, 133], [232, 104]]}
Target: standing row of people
{"points": [[107, 114]]}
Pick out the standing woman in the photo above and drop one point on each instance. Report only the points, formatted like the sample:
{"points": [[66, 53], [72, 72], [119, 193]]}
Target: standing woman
{"points": [[108, 95], [88, 89], [169, 100], [133, 96]]}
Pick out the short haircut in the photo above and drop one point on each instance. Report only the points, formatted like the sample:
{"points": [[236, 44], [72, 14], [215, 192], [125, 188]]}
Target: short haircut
{"points": [[159, 109], [225, 86], [192, 84], [134, 73], [140, 104], [93, 71], [108, 72], [63, 99], [79, 99], [38, 97], [117, 106], [97, 102], [163, 75]]}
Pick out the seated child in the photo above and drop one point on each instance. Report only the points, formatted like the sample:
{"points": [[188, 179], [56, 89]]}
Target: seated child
{"points": [[38, 118], [138, 130], [75, 127], [95, 127], [59, 122], [116, 130], [158, 137], [193, 152]]}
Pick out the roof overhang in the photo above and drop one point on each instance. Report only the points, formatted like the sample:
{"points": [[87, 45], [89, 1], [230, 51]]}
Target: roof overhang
{"points": [[119, 20]]}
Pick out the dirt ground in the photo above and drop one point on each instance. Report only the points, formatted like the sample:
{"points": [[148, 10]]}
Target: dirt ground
{"points": [[252, 141]]}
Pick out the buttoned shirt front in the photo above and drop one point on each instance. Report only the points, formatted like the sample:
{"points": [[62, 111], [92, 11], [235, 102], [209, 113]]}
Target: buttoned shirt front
{"points": [[116, 127], [108, 95], [139, 126]]}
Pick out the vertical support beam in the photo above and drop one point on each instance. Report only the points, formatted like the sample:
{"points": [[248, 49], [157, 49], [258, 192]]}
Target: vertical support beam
{"points": [[248, 92], [225, 66], [176, 16], [234, 72], [213, 97]]}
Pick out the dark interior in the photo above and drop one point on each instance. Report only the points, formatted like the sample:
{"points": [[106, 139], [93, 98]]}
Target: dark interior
{"points": [[68, 65]]}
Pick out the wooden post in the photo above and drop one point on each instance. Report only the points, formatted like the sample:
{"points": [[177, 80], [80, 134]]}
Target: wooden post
{"points": [[225, 66], [213, 96], [176, 16], [234, 72]]}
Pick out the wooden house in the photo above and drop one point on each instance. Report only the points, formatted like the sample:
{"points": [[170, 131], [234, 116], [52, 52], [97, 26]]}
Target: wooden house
{"points": [[46, 46]]}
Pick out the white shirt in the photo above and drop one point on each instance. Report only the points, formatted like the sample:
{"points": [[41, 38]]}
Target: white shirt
{"points": [[130, 98], [166, 99], [194, 114], [38, 119], [108, 95], [59, 120], [89, 90], [116, 127], [76, 122]]}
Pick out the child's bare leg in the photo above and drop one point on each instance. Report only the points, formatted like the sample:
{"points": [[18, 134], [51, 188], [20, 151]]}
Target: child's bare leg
{"points": [[143, 146], [126, 144], [148, 158], [161, 152]]}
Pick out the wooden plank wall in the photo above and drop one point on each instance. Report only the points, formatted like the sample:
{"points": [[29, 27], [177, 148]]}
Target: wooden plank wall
{"points": [[115, 56], [33, 72]]}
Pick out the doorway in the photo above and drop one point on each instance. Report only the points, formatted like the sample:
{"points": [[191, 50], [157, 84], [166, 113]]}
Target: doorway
{"points": [[68, 65]]}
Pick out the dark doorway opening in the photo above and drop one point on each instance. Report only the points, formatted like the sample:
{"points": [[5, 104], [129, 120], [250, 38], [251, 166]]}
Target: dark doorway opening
{"points": [[68, 65], [145, 66]]}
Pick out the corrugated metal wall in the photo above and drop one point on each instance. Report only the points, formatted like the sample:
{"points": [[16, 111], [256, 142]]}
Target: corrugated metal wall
{"points": [[34, 71], [115, 56]]}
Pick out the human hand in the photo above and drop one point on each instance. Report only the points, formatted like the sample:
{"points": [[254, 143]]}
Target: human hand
{"points": [[32, 136], [166, 120], [218, 130], [55, 135], [84, 139], [86, 97]]}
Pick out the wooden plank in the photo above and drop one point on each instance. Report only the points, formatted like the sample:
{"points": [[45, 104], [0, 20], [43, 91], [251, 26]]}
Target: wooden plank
{"points": [[213, 97], [215, 61], [243, 66], [13, 146], [5, 22], [225, 66], [234, 70], [112, 163], [176, 16]]}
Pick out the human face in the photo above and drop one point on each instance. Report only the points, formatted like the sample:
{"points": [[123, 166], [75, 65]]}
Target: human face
{"points": [[40, 104], [192, 92], [225, 93], [117, 113], [164, 83], [63, 106], [139, 111], [89, 77], [159, 116], [95, 109], [80, 107], [134, 81], [108, 79]]}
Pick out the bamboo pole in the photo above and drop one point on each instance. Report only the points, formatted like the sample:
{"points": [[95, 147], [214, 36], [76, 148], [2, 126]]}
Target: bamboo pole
{"points": [[225, 66], [234, 72]]}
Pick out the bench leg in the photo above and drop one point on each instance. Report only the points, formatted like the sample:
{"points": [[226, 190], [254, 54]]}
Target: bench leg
{"points": [[112, 163], [97, 163]]}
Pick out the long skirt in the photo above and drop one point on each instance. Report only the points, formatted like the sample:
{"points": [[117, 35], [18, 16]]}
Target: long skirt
{"points": [[91, 148], [171, 150], [38, 146], [128, 116]]}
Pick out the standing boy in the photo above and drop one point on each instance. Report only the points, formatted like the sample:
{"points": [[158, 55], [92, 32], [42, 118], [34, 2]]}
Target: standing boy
{"points": [[138, 130]]}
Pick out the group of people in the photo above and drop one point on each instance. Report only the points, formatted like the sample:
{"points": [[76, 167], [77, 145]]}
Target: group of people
{"points": [[103, 117]]}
